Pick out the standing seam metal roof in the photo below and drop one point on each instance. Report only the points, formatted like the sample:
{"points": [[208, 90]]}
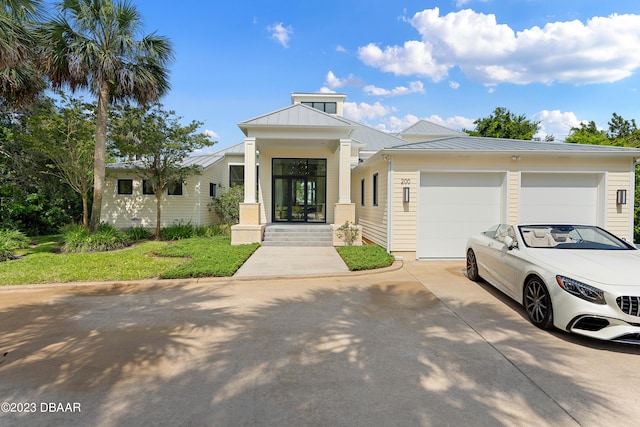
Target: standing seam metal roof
{"points": [[474, 143]]}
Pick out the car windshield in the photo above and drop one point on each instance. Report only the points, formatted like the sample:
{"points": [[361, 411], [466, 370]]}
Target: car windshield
{"points": [[570, 237]]}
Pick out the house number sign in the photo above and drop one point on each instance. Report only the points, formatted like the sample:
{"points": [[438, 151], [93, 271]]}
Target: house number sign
{"points": [[405, 181]]}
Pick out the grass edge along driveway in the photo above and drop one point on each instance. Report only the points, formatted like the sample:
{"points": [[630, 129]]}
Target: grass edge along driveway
{"points": [[188, 258], [195, 257]]}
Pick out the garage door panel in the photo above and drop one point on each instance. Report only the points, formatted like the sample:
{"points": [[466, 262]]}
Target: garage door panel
{"points": [[454, 206]]}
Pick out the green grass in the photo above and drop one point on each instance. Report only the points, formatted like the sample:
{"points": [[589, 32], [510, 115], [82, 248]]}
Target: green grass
{"points": [[367, 257], [211, 257], [43, 266], [195, 257]]}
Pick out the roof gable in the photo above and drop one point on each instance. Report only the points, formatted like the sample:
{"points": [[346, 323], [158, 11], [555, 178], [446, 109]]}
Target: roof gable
{"points": [[428, 129], [297, 115]]}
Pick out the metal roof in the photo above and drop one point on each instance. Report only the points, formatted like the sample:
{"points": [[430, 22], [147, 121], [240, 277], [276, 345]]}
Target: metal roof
{"points": [[427, 128], [204, 160], [297, 115], [482, 144], [373, 139]]}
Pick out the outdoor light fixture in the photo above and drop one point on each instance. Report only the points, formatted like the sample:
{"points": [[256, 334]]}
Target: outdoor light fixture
{"points": [[621, 197], [405, 195]]}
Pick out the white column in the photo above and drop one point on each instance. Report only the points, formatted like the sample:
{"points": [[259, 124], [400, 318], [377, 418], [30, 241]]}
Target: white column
{"points": [[250, 170], [344, 179]]}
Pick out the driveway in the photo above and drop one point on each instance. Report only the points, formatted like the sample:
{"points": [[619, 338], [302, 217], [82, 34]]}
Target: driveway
{"points": [[419, 345]]}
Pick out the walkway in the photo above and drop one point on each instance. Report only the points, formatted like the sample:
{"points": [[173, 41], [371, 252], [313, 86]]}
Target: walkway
{"points": [[280, 261]]}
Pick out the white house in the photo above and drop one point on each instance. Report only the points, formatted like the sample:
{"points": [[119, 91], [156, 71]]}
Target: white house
{"points": [[422, 191]]}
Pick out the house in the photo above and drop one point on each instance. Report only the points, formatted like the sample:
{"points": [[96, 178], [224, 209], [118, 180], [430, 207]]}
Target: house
{"points": [[420, 192]]}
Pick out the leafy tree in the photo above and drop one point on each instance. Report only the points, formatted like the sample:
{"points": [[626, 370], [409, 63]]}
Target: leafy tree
{"points": [[65, 135], [91, 45], [504, 124], [20, 79], [587, 133], [155, 144], [30, 200]]}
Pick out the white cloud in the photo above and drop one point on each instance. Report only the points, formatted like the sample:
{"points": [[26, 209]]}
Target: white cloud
{"points": [[555, 123], [341, 49], [281, 33], [362, 111], [414, 87], [211, 134], [454, 85], [601, 50], [335, 82]]}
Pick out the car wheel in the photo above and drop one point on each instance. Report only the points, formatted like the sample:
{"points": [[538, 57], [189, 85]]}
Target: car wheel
{"points": [[537, 303], [472, 266]]}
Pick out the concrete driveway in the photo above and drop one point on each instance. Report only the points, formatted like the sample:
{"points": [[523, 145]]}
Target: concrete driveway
{"points": [[419, 345]]}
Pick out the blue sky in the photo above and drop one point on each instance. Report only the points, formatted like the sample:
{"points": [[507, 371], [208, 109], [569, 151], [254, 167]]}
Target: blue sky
{"points": [[451, 62]]}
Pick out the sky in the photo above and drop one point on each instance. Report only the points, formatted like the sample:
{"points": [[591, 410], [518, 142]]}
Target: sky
{"points": [[451, 62]]}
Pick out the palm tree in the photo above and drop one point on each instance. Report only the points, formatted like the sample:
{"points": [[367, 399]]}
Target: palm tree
{"points": [[20, 80], [91, 45]]}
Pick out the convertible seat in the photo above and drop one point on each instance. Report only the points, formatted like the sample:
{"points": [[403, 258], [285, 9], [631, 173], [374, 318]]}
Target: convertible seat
{"points": [[539, 239]]}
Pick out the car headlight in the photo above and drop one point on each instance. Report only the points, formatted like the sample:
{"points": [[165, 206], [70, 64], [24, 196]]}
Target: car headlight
{"points": [[581, 290]]}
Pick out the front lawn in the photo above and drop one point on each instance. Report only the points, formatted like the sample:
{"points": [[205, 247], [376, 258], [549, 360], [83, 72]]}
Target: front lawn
{"points": [[197, 257], [367, 257]]}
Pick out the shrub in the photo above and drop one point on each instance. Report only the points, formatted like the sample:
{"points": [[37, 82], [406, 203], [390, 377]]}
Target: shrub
{"points": [[227, 205], [139, 233], [10, 240], [107, 238], [178, 231]]}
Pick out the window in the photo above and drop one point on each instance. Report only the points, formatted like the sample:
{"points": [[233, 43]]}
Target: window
{"points": [[125, 186], [327, 107], [213, 188], [375, 189], [174, 188], [362, 192], [147, 188], [236, 175]]}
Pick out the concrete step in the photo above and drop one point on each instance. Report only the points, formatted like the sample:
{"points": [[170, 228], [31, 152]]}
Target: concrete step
{"points": [[298, 235]]}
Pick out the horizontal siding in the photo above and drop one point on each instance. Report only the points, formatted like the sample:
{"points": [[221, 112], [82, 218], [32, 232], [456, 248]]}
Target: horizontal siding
{"points": [[405, 214], [373, 219], [618, 215]]}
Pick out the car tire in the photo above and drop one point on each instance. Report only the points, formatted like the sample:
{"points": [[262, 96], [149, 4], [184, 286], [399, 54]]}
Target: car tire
{"points": [[472, 266], [537, 303]]}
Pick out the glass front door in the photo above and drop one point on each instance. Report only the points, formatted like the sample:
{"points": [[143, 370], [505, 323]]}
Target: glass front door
{"points": [[300, 197]]}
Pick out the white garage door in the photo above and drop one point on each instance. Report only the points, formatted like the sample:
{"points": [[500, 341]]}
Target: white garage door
{"points": [[559, 198], [454, 206]]}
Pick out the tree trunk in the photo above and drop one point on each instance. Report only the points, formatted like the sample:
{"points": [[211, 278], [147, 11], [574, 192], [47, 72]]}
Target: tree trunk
{"points": [[99, 155], [85, 211]]}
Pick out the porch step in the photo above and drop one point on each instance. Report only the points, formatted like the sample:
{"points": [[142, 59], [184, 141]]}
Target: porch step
{"points": [[297, 235]]}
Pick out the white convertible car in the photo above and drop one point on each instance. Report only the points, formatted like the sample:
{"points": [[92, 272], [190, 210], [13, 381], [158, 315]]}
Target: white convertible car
{"points": [[578, 278]]}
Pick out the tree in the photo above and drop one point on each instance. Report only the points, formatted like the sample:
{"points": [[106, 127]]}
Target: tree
{"points": [[504, 124], [587, 133], [155, 144], [30, 199], [65, 135], [20, 79], [91, 45]]}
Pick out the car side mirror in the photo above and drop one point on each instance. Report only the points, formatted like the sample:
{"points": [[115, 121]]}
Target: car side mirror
{"points": [[508, 240]]}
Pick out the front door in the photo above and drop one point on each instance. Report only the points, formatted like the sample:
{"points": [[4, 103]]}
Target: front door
{"points": [[299, 197]]}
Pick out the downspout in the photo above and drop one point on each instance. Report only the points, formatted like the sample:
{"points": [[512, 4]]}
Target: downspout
{"points": [[389, 203]]}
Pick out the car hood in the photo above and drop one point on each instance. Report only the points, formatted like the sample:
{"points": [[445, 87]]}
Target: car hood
{"points": [[621, 268]]}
